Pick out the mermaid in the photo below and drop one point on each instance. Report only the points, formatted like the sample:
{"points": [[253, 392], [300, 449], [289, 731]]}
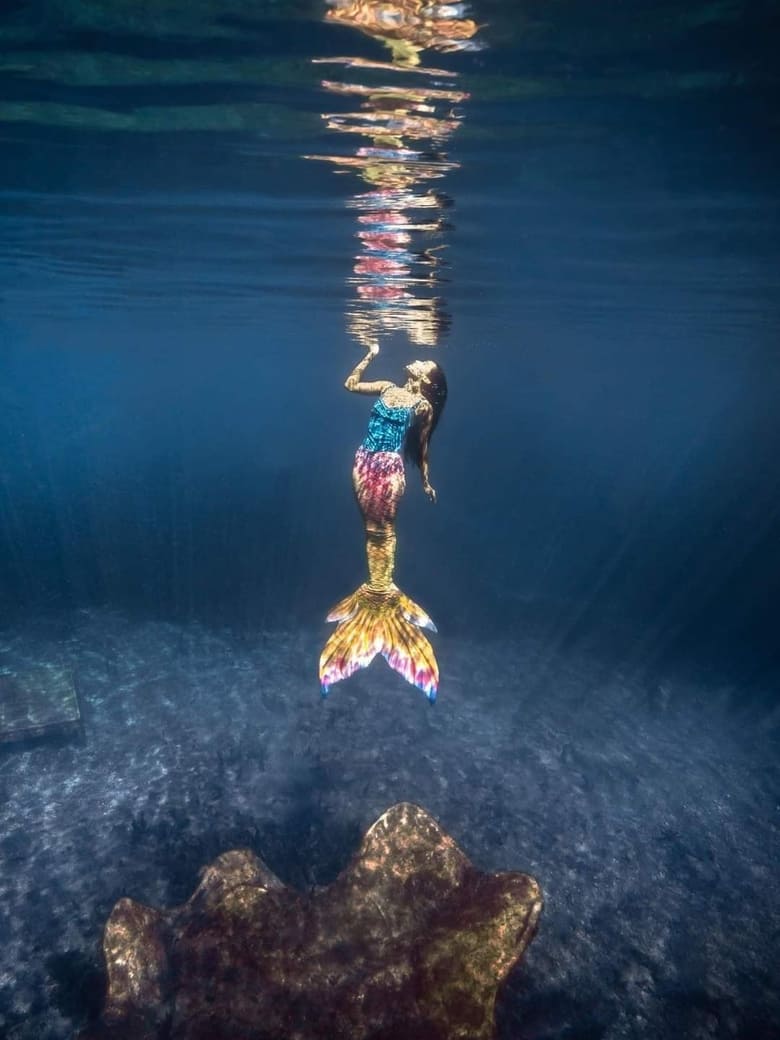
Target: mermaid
{"points": [[378, 618]]}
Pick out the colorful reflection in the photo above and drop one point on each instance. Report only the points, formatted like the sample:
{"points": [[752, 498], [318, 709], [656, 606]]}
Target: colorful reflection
{"points": [[402, 129]]}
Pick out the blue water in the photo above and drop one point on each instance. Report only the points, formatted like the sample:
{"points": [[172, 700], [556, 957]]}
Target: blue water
{"points": [[176, 281]]}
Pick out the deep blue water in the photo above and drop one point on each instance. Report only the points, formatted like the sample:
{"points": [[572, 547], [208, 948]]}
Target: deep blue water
{"points": [[175, 280]]}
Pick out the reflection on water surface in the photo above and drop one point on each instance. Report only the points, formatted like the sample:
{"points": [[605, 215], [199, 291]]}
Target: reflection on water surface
{"points": [[402, 127]]}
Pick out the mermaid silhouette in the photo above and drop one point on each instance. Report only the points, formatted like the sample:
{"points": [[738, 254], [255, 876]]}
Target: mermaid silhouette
{"points": [[378, 618]]}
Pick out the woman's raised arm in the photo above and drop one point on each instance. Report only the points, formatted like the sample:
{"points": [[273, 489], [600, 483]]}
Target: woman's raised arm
{"points": [[353, 381]]}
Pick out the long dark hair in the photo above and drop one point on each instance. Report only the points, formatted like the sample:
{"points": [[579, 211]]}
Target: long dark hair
{"points": [[434, 390]]}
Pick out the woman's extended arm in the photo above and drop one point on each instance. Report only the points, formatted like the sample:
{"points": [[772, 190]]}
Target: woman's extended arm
{"points": [[425, 436], [354, 383]]}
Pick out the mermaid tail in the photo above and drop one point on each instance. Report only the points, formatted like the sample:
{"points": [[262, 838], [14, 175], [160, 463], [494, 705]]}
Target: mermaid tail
{"points": [[375, 622], [377, 618]]}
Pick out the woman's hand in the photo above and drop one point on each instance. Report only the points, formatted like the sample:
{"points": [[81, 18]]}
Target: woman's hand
{"points": [[429, 491], [354, 381]]}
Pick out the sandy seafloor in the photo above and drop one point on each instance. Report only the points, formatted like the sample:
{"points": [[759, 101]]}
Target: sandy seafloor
{"points": [[648, 811]]}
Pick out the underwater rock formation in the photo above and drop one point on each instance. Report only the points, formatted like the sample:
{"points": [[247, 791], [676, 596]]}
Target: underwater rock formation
{"points": [[410, 941]]}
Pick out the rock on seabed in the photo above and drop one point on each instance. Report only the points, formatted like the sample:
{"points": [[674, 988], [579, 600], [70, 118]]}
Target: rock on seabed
{"points": [[410, 942]]}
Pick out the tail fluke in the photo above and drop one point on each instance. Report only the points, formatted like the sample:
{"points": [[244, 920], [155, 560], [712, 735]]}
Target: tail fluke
{"points": [[388, 623]]}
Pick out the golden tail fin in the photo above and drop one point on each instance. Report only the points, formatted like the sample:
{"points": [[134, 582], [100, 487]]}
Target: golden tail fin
{"points": [[375, 622]]}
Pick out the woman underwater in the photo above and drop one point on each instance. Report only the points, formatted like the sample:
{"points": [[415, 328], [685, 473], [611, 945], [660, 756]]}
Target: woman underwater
{"points": [[378, 618]]}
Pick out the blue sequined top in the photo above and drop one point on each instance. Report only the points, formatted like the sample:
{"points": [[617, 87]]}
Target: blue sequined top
{"points": [[387, 427]]}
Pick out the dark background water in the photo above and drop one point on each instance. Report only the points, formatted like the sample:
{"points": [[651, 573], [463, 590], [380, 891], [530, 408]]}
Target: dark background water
{"points": [[175, 442], [174, 434]]}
